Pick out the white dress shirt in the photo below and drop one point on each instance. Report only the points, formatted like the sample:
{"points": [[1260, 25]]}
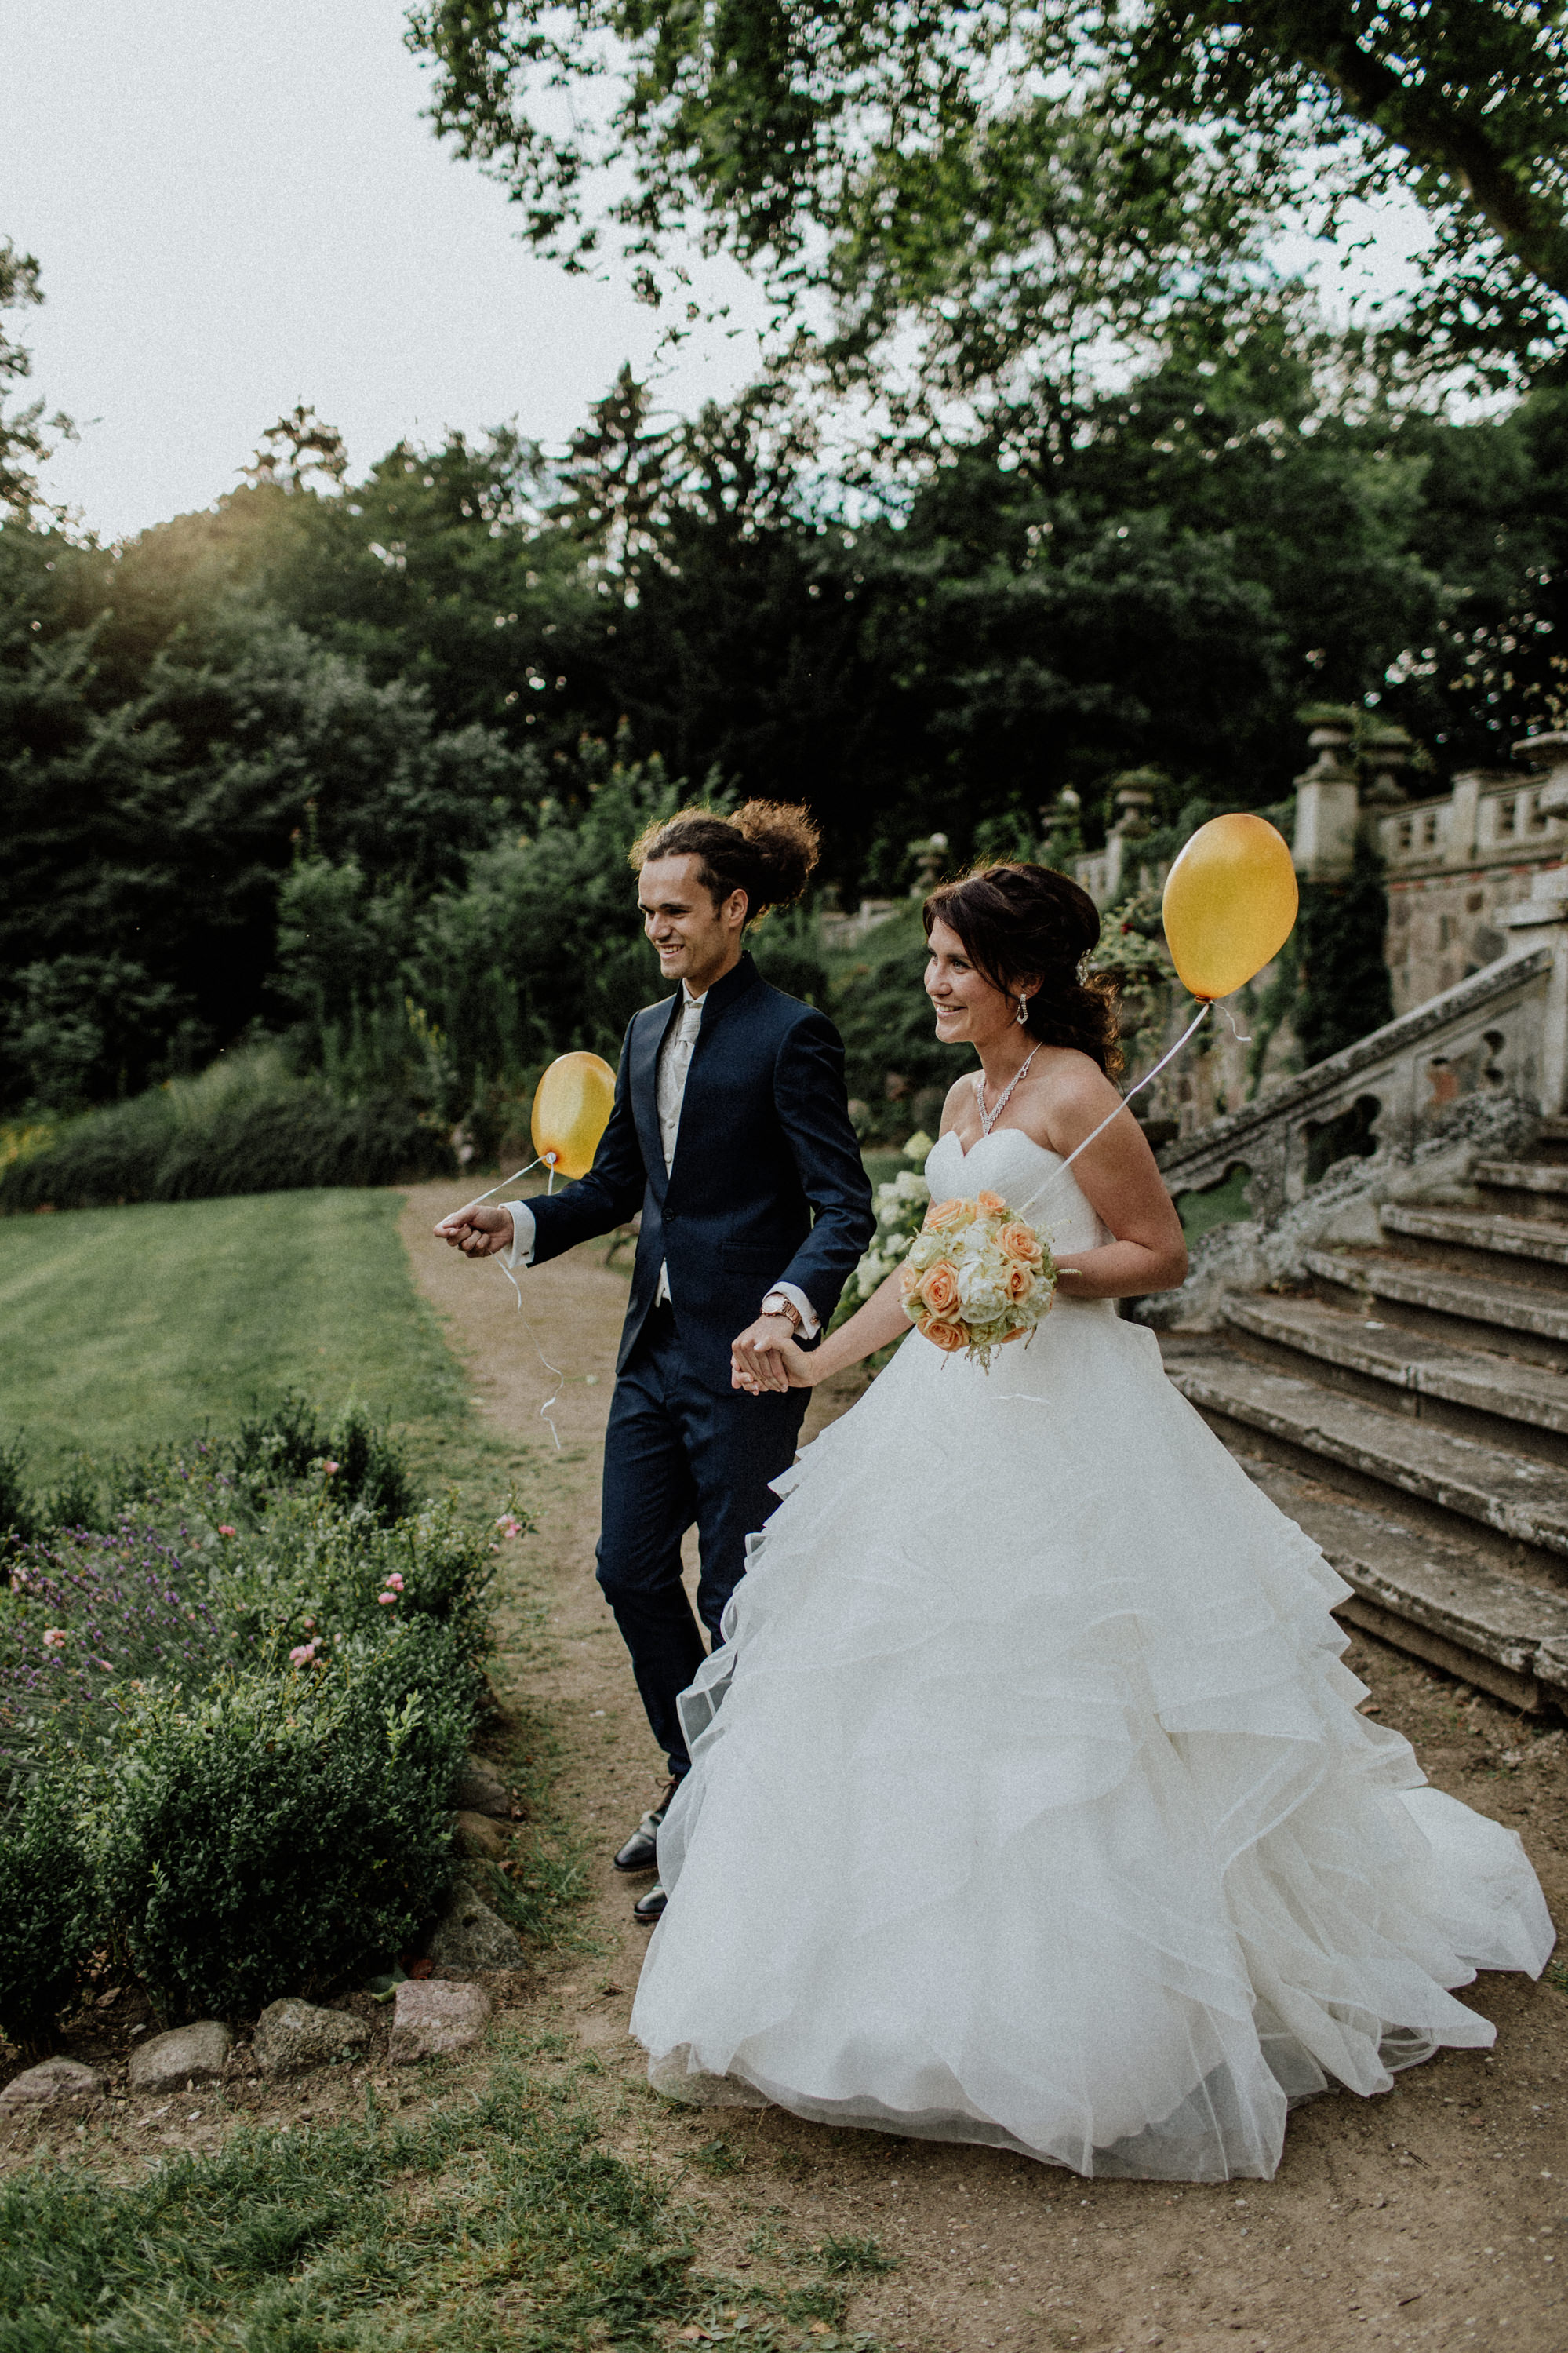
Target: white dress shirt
{"points": [[674, 1066]]}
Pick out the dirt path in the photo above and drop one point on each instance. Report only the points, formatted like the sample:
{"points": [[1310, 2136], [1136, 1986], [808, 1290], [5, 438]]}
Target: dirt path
{"points": [[1437, 2216]]}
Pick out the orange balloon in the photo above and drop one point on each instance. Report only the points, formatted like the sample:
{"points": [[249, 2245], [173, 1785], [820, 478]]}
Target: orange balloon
{"points": [[570, 1110], [1230, 904]]}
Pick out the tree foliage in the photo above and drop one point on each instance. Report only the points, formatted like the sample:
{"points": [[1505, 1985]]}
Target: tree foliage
{"points": [[1022, 176], [353, 759], [27, 437]]}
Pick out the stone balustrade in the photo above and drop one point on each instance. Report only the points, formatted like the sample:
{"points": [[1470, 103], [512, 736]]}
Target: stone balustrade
{"points": [[1491, 1038]]}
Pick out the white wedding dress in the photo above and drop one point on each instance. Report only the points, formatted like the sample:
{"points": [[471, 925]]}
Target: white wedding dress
{"points": [[1029, 1803]]}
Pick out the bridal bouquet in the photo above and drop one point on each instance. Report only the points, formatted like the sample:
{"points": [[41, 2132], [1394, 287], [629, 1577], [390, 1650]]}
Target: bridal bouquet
{"points": [[976, 1276]]}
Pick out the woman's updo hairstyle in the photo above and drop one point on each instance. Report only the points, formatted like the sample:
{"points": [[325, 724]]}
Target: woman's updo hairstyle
{"points": [[1023, 922], [768, 849]]}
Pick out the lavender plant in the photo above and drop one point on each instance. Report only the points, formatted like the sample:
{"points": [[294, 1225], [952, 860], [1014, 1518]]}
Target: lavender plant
{"points": [[89, 1622]]}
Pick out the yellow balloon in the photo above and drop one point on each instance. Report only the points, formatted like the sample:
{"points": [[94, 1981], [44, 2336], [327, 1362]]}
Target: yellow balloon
{"points": [[1230, 904], [570, 1110]]}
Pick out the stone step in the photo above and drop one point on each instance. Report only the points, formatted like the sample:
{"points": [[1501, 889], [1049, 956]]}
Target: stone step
{"points": [[1482, 1234], [1522, 1176], [1513, 1307], [1417, 1363], [1432, 1599], [1520, 1499], [1550, 1142]]}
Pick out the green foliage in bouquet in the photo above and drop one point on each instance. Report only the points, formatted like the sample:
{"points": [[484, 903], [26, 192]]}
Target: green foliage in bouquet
{"points": [[49, 1909]]}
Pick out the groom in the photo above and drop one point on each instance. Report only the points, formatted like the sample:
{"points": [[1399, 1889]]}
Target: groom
{"points": [[731, 1133]]}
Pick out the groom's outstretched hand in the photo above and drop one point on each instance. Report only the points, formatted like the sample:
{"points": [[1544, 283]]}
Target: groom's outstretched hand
{"points": [[478, 1233]]}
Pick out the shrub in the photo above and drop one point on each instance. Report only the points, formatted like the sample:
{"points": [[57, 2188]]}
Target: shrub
{"points": [[283, 1831], [88, 1625], [285, 1445], [46, 1911], [884, 1018], [247, 1125]]}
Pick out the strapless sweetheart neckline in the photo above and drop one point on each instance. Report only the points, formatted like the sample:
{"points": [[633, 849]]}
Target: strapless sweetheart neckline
{"points": [[950, 1136]]}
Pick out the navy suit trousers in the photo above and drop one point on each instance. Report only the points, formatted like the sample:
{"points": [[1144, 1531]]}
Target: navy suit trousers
{"points": [[678, 1453]]}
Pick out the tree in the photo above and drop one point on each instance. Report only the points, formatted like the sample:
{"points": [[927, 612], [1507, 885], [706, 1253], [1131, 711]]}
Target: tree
{"points": [[28, 438], [1024, 172]]}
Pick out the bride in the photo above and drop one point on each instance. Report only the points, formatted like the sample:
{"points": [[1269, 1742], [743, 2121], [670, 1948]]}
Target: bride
{"points": [[1029, 1800]]}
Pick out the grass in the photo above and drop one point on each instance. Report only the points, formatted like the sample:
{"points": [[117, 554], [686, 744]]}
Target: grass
{"points": [[499, 2222], [129, 1327], [499, 2219]]}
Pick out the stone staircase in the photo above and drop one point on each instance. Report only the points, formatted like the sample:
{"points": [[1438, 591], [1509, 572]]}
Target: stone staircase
{"points": [[1406, 1402]]}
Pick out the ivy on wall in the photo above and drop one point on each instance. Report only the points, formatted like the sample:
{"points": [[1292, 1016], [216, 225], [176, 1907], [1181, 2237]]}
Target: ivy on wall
{"points": [[1344, 988]]}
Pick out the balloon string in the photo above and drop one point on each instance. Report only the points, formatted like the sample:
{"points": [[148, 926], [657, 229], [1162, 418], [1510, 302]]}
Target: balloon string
{"points": [[559, 1376], [1204, 1012]]}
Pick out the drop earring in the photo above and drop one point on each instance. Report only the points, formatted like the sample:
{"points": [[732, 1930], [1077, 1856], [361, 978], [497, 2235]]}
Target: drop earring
{"points": [[1022, 1013]]}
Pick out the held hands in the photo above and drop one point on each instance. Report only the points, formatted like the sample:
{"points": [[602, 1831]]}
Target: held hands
{"points": [[478, 1232], [765, 1356]]}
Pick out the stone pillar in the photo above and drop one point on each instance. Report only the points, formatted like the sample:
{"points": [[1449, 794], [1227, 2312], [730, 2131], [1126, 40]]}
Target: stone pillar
{"points": [[1328, 810], [1541, 920], [1459, 826], [1550, 753]]}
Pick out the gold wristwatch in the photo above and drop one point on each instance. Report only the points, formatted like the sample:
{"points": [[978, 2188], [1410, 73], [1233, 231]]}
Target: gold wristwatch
{"points": [[775, 1304]]}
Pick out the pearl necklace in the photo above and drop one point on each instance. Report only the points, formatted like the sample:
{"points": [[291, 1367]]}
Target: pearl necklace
{"points": [[988, 1119]]}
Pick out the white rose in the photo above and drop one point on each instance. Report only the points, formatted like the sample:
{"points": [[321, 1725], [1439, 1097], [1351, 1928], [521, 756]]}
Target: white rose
{"points": [[980, 1295]]}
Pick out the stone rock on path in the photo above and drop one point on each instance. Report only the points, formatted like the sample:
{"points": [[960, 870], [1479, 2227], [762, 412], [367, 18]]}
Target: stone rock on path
{"points": [[480, 1835], [190, 2055], [292, 2036], [52, 2081], [468, 1935], [431, 2018], [480, 1791]]}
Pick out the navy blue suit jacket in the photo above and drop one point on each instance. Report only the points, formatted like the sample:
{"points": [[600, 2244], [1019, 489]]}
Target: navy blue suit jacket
{"points": [[765, 1142]]}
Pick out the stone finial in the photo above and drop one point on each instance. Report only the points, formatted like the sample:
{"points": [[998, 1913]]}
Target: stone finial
{"points": [[1550, 753], [1134, 804]]}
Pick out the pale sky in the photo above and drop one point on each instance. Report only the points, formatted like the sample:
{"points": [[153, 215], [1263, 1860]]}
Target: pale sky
{"points": [[237, 207]]}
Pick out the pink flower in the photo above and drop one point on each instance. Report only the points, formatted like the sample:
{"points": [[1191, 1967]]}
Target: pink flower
{"points": [[395, 1583], [55, 1636], [508, 1526], [301, 1654], [309, 1625], [385, 1597], [225, 1530], [329, 1467]]}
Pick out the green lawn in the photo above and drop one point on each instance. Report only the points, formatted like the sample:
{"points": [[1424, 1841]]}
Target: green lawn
{"points": [[125, 1327]]}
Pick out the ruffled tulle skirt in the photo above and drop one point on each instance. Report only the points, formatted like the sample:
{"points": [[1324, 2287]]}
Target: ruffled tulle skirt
{"points": [[1029, 1802]]}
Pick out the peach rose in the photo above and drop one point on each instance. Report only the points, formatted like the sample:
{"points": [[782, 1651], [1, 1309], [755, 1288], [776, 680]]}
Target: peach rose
{"points": [[943, 1214], [1018, 1282], [947, 1337], [909, 1280], [992, 1203], [939, 1289], [1020, 1242]]}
